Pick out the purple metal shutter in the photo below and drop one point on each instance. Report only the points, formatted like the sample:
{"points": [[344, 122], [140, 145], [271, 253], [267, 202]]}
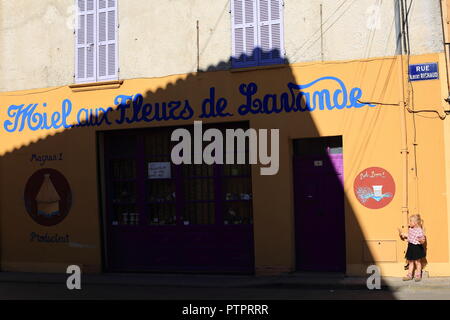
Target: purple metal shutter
{"points": [[107, 26], [244, 32], [85, 40], [271, 31]]}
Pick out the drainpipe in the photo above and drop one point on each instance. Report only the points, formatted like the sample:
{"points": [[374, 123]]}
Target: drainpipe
{"points": [[404, 154], [403, 126], [445, 41]]}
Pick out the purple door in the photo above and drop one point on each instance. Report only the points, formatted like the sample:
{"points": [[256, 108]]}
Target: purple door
{"points": [[167, 218], [319, 207]]}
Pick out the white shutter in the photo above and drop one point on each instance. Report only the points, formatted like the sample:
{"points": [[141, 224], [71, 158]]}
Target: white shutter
{"points": [[107, 26], [85, 39], [244, 32], [271, 33]]}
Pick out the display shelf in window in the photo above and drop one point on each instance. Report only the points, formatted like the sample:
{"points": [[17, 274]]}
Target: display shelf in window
{"points": [[230, 197], [161, 214], [199, 213], [237, 189], [238, 213], [125, 215], [123, 191], [160, 191]]}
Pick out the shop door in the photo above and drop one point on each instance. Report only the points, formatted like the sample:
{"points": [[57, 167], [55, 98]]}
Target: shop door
{"points": [[319, 205], [166, 218]]}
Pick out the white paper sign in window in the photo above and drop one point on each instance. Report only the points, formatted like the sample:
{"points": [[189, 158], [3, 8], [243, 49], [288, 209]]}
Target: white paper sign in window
{"points": [[159, 170]]}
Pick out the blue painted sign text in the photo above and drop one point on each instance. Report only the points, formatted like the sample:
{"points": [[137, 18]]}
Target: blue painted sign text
{"points": [[134, 109]]}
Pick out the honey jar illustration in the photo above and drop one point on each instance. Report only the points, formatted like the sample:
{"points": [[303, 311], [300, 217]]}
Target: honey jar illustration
{"points": [[47, 199]]}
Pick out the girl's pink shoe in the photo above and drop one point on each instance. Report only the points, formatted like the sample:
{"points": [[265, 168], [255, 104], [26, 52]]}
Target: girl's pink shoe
{"points": [[417, 277]]}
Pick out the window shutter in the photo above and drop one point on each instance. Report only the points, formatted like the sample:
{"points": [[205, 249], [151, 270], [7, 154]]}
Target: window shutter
{"points": [[85, 39], [271, 31], [107, 40], [244, 32]]}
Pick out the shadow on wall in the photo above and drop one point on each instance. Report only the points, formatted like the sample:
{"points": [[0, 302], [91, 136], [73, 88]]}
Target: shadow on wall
{"points": [[258, 57], [129, 210]]}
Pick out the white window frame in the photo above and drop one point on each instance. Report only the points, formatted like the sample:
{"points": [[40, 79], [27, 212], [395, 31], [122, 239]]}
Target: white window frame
{"points": [[95, 45], [257, 62]]}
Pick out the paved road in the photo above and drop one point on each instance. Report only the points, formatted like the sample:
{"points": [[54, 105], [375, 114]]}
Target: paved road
{"points": [[13, 290]]}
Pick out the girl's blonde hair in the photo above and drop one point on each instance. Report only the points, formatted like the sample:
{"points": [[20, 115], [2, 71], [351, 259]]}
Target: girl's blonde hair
{"points": [[418, 219]]}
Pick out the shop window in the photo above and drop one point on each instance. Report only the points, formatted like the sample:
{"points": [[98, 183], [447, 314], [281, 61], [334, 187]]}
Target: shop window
{"points": [[96, 49], [238, 197], [199, 194], [144, 188], [160, 192], [122, 181], [257, 32]]}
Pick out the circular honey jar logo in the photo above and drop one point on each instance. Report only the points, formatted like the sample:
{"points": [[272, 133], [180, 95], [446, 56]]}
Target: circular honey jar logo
{"points": [[48, 197]]}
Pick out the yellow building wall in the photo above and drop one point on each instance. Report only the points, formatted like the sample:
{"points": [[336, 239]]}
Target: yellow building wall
{"points": [[371, 137]]}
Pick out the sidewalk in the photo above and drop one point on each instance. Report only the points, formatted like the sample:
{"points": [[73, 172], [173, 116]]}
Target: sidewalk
{"points": [[295, 280]]}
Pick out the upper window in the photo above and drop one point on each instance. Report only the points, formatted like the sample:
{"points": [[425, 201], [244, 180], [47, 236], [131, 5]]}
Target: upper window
{"points": [[96, 56], [257, 32]]}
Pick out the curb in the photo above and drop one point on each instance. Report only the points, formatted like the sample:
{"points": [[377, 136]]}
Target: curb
{"points": [[349, 286], [292, 283]]}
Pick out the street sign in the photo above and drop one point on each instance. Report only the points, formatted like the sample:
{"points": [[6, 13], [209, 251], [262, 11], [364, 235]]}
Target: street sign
{"points": [[423, 71]]}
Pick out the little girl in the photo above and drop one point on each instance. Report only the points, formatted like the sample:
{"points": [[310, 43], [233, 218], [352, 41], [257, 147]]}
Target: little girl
{"points": [[416, 251]]}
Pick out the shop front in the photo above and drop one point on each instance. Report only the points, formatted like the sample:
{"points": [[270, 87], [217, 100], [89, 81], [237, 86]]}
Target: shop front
{"points": [[88, 175]]}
